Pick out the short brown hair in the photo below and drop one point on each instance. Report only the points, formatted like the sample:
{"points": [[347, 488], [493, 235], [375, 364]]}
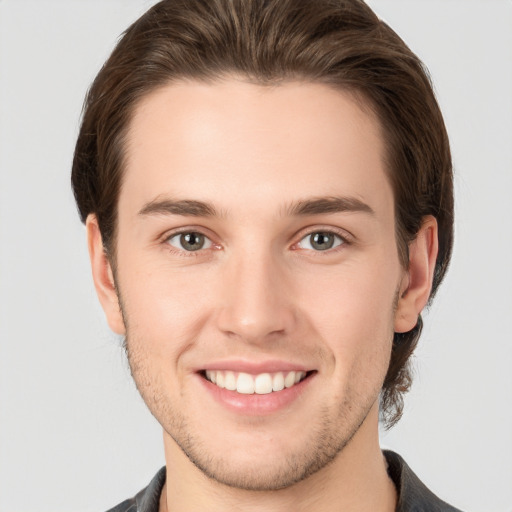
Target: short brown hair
{"points": [[341, 43]]}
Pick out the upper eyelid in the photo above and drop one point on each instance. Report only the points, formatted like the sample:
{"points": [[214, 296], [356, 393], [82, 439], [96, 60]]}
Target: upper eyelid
{"points": [[188, 229], [178, 233], [345, 235], [324, 233]]}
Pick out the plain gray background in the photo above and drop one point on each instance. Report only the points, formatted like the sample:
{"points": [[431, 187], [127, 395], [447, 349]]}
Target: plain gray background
{"points": [[74, 435]]}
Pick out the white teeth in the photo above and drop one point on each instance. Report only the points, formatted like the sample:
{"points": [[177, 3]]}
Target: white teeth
{"points": [[261, 384], [230, 381], [278, 382], [244, 384], [289, 380]]}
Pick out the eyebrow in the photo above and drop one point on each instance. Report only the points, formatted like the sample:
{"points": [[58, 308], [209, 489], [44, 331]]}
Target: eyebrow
{"points": [[314, 206], [323, 205], [185, 207]]}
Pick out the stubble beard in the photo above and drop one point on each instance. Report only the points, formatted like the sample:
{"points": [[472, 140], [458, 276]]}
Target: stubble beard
{"points": [[326, 441]]}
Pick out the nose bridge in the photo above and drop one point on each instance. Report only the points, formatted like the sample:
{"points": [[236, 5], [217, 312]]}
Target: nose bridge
{"points": [[255, 299]]}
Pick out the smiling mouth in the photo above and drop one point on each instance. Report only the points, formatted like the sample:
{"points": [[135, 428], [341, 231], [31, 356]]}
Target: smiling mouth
{"points": [[261, 384]]}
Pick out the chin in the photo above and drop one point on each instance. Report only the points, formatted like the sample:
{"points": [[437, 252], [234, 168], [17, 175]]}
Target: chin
{"points": [[271, 474], [256, 464]]}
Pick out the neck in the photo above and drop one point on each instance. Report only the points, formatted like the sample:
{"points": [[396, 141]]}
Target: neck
{"points": [[356, 479]]}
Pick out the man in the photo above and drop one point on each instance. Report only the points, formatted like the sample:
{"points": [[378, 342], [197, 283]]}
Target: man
{"points": [[267, 192]]}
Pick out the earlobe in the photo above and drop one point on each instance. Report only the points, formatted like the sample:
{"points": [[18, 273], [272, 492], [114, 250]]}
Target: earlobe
{"points": [[103, 276], [417, 282]]}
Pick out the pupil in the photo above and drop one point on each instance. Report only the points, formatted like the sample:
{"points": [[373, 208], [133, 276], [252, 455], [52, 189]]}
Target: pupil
{"points": [[322, 241], [192, 241]]}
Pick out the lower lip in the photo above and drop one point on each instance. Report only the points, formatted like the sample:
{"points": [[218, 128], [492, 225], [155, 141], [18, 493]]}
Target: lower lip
{"points": [[257, 405]]}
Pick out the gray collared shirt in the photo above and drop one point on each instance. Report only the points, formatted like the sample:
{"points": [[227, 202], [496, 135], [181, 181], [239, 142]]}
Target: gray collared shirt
{"points": [[413, 495]]}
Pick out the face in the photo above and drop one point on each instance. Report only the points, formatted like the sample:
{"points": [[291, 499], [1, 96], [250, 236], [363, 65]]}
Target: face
{"points": [[258, 274]]}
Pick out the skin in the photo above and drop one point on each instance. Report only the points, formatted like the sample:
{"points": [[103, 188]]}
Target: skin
{"points": [[259, 290]]}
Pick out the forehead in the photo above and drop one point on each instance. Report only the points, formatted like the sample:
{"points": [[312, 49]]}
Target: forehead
{"points": [[259, 144]]}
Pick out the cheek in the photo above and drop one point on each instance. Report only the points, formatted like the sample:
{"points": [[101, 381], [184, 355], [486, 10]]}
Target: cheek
{"points": [[354, 299], [351, 311], [164, 313], [165, 306]]}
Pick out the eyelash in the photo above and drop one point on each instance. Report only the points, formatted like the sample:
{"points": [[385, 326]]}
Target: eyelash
{"points": [[182, 252], [341, 241], [343, 237]]}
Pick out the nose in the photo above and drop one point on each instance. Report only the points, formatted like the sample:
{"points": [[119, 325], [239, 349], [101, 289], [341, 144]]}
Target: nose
{"points": [[256, 304]]}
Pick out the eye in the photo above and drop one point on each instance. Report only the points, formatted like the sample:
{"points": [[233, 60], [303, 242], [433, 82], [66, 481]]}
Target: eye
{"points": [[321, 241], [189, 241]]}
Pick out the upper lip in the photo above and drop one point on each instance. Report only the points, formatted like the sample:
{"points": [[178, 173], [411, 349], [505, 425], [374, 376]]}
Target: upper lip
{"points": [[255, 368]]}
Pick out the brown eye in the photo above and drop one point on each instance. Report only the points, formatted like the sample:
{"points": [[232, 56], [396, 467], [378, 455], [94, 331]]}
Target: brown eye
{"points": [[190, 241], [321, 241]]}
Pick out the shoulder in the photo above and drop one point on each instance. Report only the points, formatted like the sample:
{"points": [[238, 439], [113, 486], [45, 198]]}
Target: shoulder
{"points": [[146, 500], [413, 495], [126, 506]]}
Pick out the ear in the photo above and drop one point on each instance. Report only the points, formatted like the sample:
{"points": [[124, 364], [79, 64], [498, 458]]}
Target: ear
{"points": [[103, 276], [417, 281]]}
